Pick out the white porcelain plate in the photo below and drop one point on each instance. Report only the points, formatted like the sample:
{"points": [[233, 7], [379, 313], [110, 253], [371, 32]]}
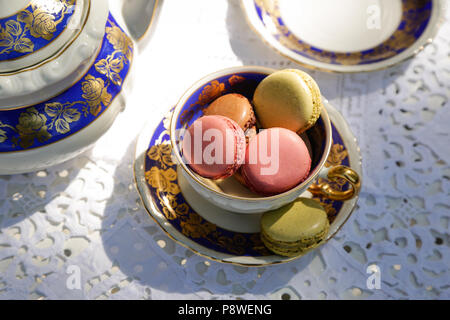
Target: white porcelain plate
{"points": [[208, 230], [346, 35]]}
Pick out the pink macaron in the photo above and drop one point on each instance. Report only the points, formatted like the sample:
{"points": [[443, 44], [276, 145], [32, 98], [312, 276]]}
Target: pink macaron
{"points": [[276, 160], [214, 147]]}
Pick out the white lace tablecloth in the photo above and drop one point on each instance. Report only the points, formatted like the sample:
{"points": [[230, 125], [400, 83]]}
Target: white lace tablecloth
{"points": [[85, 218]]}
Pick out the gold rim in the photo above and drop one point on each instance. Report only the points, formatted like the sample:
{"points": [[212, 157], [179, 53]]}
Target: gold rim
{"points": [[228, 71], [180, 242], [428, 41]]}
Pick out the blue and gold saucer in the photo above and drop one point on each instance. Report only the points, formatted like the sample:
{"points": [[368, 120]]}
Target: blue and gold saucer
{"points": [[162, 191], [346, 35]]}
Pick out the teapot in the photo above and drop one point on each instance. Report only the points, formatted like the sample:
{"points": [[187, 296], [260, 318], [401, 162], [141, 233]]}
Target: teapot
{"points": [[65, 70]]}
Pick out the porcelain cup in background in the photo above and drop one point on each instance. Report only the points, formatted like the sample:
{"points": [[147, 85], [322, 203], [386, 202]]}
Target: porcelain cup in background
{"points": [[346, 35], [244, 80]]}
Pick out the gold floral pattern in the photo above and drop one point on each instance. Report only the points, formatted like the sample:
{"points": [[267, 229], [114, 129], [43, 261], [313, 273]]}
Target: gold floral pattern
{"points": [[3, 135], [162, 153], [12, 37], [41, 122], [235, 245], [62, 116], [182, 209], [112, 65], [120, 41], [162, 178], [235, 79], [95, 93], [169, 202], [122, 44], [337, 154], [32, 125], [195, 227], [111, 68], [211, 92], [38, 22]]}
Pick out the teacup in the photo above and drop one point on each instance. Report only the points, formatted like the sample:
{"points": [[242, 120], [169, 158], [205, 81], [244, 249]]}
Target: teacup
{"points": [[230, 195]]}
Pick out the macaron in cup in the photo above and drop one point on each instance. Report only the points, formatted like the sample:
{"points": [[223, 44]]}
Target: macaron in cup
{"points": [[288, 98], [214, 147], [234, 106], [244, 81], [276, 160]]}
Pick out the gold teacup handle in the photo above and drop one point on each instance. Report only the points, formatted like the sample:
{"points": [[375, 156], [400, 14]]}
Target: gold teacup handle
{"points": [[324, 189]]}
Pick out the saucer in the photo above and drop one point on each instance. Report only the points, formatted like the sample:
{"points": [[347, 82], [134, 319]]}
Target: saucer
{"points": [[346, 35], [181, 212]]}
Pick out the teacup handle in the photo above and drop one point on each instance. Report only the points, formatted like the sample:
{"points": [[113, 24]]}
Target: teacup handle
{"points": [[324, 189]]}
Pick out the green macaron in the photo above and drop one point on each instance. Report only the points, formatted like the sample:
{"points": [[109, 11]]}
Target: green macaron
{"points": [[295, 228], [288, 99]]}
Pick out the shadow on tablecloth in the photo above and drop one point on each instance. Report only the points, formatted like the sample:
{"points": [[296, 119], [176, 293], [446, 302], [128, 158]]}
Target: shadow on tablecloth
{"points": [[160, 268], [22, 195]]}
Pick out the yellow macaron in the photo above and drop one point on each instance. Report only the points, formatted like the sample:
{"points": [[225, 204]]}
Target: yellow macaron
{"points": [[288, 99]]}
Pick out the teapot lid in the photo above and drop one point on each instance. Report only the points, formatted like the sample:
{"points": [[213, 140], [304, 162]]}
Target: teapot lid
{"points": [[32, 31], [43, 74]]}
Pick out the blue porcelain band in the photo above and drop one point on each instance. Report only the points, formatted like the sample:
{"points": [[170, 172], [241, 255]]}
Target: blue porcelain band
{"points": [[33, 28], [76, 108], [416, 15]]}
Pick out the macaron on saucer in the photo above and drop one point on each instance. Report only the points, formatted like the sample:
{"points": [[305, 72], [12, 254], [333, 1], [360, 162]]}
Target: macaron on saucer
{"points": [[296, 228], [212, 232], [346, 35]]}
